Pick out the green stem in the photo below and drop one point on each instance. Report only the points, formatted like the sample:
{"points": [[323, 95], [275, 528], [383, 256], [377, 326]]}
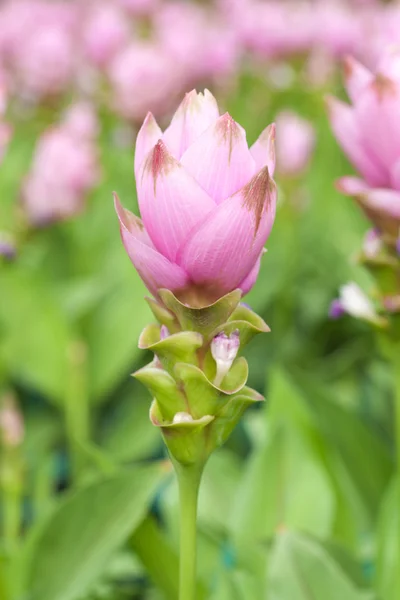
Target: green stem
{"points": [[189, 478], [396, 373]]}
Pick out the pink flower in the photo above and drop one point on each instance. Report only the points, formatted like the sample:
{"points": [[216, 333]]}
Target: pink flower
{"points": [[64, 169], [140, 7], [105, 32], [45, 61], [81, 120], [143, 77], [295, 142], [207, 203], [369, 132]]}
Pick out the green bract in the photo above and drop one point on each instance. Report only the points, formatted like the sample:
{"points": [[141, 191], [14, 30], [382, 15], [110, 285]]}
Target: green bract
{"points": [[195, 415]]}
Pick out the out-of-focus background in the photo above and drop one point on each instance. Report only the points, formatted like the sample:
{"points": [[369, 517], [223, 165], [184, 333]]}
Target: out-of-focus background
{"points": [[299, 503]]}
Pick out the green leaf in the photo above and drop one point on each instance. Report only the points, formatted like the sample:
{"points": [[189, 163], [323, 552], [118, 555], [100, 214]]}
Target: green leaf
{"points": [[284, 485], [35, 333], [112, 333], [129, 434], [341, 428], [71, 550], [388, 538], [301, 569]]}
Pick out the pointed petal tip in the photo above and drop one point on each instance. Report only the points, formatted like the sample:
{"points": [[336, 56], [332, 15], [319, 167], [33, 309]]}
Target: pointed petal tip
{"points": [[159, 160], [260, 195]]}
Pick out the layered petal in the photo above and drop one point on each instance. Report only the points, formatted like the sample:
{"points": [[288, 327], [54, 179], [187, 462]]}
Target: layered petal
{"points": [[195, 114], [171, 202], [352, 186], [356, 76], [382, 207], [222, 251], [155, 270], [251, 278], [377, 114], [220, 159], [347, 132], [395, 175], [263, 150], [147, 138]]}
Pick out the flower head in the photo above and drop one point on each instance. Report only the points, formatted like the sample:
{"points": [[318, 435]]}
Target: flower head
{"points": [[369, 132], [207, 203]]}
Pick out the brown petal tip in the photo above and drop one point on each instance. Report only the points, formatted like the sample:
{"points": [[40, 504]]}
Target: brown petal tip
{"points": [[159, 161], [258, 194]]}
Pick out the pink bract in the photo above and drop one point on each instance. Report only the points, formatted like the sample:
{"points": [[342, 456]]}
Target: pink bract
{"points": [[207, 203]]}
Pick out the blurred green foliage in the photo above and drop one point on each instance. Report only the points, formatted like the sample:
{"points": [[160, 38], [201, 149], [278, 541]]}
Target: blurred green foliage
{"points": [[300, 503]]}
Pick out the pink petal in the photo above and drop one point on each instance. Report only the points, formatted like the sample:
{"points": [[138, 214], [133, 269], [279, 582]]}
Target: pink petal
{"points": [[147, 138], [378, 118], [195, 114], [382, 200], [263, 150], [155, 270], [220, 159], [348, 134], [357, 77], [395, 175], [171, 202], [223, 250], [251, 278], [352, 186]]}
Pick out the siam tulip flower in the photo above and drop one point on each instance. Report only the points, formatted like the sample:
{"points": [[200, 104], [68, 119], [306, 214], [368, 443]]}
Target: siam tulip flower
{"points": [[45, 61], [295, 142], [143, 77], [105, 33], [369, 133], [197, 40], [81, 120], [65, 168], [207, 203]]}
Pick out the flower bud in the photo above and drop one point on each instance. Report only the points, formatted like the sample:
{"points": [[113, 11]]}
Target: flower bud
{"points": [[353, 301], [182, 417], [206, 199], [224, 349]]}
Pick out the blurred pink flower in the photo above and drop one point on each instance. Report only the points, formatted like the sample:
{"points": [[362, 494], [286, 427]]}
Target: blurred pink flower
{"points": [[105, 32], [143, 77], [295, 142], [45, 61], [197, 39], [81, 120], [140, 7], [369, 132], [64, 169], [207, 203], [5, 128]]}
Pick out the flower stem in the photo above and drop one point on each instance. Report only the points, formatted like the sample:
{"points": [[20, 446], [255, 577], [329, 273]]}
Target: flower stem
{"points": [[189, 478]]}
